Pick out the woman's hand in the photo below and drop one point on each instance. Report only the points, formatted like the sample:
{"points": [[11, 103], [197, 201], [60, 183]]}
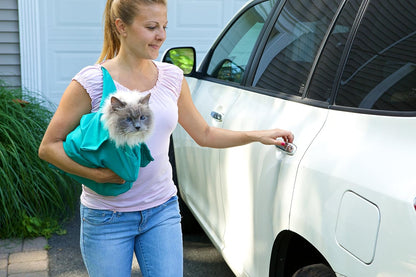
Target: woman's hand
{"points": [[105, 175], [270, 137]]}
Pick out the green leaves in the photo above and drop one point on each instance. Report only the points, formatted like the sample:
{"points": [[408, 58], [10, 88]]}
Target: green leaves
{"points": [[35, 226], [33, 197]]}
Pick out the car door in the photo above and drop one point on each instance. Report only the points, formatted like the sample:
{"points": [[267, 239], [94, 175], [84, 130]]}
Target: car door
{"points": [[357, 180], [257, 181], [198, 168]]}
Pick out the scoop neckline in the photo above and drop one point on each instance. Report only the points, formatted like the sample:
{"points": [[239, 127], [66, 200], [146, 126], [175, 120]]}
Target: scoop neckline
{"points": [[124, 87]]}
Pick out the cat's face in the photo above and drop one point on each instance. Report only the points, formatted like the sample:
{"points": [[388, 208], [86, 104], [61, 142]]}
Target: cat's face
{"points": [[128, 117], [131, 118]]}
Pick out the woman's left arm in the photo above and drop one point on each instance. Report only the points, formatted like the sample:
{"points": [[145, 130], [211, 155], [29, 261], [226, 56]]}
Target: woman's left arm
{"points": [[209, 136]]}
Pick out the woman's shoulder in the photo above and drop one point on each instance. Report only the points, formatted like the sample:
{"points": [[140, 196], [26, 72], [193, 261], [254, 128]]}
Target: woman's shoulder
{"points": [[89, 76], [91, 79], [170, 77], [90, 71], [170, 73], [169, 69]]}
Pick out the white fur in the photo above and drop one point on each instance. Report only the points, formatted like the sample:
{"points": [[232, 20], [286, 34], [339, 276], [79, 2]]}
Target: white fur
{"points": [[110, 122]]}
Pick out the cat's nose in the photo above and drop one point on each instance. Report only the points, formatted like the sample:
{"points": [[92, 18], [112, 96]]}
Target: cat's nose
{"points": [[138, 128]]}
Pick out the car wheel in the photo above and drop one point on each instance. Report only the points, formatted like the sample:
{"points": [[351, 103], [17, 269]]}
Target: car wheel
{"points": [[315, 270]]}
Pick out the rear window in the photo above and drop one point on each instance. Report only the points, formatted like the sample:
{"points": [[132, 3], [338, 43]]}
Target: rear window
{"points": [[380, 72]]}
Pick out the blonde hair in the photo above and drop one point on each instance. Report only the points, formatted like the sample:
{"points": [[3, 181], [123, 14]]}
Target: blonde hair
{"points": [[126, 10]]}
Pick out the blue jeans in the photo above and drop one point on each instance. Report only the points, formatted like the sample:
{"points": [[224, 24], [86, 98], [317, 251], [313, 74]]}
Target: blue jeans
{"points": [[109, 238]]}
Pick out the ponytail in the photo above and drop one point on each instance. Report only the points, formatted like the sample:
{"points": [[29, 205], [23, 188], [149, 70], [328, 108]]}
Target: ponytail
{"points": [[111, 44], [126, 10]]}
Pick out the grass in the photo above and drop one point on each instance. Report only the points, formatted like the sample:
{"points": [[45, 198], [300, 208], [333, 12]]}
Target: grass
{"points": [[34, 199]]}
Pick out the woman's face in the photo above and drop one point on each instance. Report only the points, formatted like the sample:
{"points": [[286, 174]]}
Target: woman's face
{"points": [[146, 34]]}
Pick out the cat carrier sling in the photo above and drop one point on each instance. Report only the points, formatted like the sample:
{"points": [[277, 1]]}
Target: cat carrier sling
{"points": [[90, 145]]}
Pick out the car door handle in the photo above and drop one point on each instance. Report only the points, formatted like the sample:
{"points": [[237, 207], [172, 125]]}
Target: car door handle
{"points": [[217, 116], [288, 148]]}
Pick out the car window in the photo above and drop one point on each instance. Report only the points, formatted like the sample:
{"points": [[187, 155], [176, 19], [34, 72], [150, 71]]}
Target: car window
{"points": [[325, 72], [230, 57], [293, 44], [380, 72]]}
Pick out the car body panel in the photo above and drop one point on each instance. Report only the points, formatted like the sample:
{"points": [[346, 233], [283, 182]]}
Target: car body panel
{"points": [[342, 159], [204, 177], [257, 180]]}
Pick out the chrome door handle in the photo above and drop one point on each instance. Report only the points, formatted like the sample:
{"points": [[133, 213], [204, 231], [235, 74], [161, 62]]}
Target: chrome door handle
{"points": [[217, 116], [288, 148]]}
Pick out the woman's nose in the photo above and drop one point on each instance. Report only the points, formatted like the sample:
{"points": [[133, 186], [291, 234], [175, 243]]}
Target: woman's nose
{"points": [[161, 35]]}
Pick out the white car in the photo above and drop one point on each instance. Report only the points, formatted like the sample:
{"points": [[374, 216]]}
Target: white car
{"points": [[341, 75]]}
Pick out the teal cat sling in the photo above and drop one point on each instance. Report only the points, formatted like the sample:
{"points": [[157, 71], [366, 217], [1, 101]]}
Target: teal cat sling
{"points": [[90, 145]]}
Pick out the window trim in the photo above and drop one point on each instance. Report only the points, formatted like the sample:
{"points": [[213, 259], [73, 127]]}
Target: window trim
{"points": [[320, 50], [347, 49], [373, 112]]}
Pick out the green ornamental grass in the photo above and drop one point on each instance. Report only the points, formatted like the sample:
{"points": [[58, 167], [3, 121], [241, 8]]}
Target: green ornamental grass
{"points": [[34, 198]]}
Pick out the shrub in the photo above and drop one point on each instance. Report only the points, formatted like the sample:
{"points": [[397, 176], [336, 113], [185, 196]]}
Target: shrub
{"points": [[34, 198]]}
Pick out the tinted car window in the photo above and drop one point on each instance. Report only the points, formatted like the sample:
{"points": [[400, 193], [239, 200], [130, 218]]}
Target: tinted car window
{"points": [[380, 72], [293, 44], [230, 57], [323, 78]]}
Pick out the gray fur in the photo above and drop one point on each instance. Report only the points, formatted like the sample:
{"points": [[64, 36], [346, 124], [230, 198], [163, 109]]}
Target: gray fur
{"points": [[128, 117]]}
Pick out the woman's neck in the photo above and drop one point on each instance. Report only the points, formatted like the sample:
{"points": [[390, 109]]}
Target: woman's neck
{"points": [[139, 74]]}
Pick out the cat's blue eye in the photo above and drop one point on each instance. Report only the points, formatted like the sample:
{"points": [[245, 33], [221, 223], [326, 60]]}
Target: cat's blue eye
{"points": [[129, 119], [143, 117]]}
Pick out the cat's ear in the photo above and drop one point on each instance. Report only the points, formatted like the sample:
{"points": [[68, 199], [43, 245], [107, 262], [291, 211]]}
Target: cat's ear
{"points": [[116, 104], [145, 99]]}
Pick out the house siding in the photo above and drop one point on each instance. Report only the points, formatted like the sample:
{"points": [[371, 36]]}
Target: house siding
{"points": [[9, 44]]}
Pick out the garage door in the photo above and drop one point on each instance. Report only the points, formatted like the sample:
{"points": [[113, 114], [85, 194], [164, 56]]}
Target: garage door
{"points": [[58, 38]]}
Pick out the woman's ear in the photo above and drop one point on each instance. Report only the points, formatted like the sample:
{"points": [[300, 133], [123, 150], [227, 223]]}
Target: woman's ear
{"points": [[121, 27]]}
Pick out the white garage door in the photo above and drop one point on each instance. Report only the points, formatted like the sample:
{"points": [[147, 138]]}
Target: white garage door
{"points": [[58, 38]]}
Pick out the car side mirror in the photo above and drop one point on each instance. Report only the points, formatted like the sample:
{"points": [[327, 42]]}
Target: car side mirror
{"points": [[183, 57]]}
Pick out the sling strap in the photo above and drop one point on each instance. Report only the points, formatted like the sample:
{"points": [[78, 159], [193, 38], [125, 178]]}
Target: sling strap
{"points": [[108, 86]]}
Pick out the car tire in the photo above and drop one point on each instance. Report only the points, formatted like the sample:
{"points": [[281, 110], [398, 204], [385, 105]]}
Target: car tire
{"points": [[315, 270]]}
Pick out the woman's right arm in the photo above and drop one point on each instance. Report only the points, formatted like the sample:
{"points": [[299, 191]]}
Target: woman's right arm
{"points": [[74, 104]]}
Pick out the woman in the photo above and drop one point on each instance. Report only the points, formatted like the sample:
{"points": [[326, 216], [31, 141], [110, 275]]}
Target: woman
{"points": [[144, 220]]}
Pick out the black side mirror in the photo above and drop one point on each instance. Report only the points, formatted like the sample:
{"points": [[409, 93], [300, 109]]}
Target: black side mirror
{"points": [[183, 57]]}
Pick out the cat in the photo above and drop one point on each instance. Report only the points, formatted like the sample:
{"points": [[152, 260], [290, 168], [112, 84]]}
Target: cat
{"points": [[128, 117]]}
